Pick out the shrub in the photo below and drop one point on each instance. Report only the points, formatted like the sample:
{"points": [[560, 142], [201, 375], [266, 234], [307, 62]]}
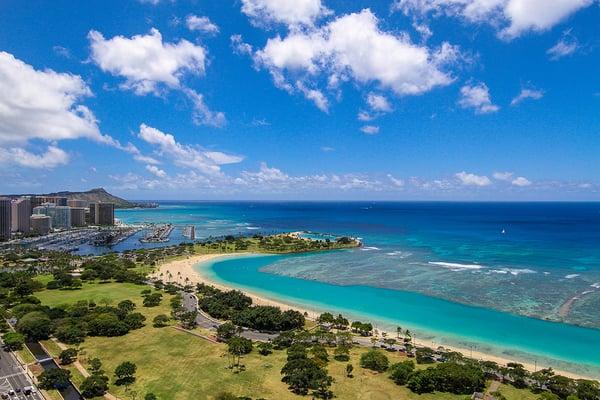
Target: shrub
{"points": [[374, 360], [400, 372], [161, 320]]}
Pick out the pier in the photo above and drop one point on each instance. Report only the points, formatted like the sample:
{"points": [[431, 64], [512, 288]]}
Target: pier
{"points": [[160, 234], [190, 232]]}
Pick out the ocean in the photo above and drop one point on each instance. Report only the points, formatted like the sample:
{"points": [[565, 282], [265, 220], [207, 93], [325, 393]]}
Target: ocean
{"points": [[481, 275]]}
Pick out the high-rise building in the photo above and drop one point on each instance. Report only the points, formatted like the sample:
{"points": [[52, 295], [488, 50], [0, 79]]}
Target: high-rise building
{"points": [[78, 203], [21, 211], [56, 200], [5, 218], [61, 215], [40, 224], [92, 214], [77, 216], [102, 214]]}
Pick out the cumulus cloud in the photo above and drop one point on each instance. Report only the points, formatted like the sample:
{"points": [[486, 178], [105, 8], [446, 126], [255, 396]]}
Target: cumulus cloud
{"points": [[477, 97], [533, 94], [43, 105], [370, 129], [201, 24], [52, 158], [509, 177], [204, 161], [378, 102], [503, 176], [145, 61], [150, 65], [351, 47], [512, 17], [288, 12], [521, 181], [395, 181], [468, 179]]}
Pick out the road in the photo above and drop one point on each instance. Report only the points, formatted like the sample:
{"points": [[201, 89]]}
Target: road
{"points": [[12, 377], [190, 303]]}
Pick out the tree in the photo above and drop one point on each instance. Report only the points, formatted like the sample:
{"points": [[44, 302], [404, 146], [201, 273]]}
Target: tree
{"points": [[226, 331], [150, 396], [13, 340], [188, 319], [69, 334], [349, 369], [238, 346], [160, 321], [152, 300], [106, 324], [125, 373], [264, 349], [126, 305], [400, 372], [96, 366], [134, 320], [94, 385], [319, 353], [56, 378], [342, 353], [67, 356], [374, 360], [35, 326]]}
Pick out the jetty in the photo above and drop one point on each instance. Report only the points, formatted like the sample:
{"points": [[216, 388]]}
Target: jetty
{"points": [[190, 232], [160, 234]]}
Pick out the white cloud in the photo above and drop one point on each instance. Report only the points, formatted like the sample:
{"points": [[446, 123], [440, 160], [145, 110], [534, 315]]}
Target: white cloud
{"points": [[478, 98], [145, 61], [42, 104], [365, 116], [289, 12], [314, 95], [395, 181], [159, 173], [239, 46], [566, 46], [521, 181], [468, 179], [52, 158], [202, 24], [533, 94], [150, 65], [353, 47], [512, 17], [327, 149], [503, 176], [207, 162], [370, 129], [378, 102]]}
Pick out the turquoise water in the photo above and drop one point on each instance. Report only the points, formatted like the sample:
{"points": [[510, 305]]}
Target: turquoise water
{"points": [[562, 346], [485, 265]]}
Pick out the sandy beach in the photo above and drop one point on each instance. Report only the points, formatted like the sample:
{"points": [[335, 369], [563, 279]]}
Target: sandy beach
{"points": [[184, 268]]}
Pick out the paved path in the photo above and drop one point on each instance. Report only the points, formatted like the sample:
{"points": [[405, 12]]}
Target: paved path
{"points": [[190, 303]]}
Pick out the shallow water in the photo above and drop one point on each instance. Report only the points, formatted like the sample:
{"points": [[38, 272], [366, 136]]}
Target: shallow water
{"points": [[440, 322], [523, 258]]}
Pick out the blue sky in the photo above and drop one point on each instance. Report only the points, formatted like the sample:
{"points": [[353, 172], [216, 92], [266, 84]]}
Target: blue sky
{"points": [[302, 99]]}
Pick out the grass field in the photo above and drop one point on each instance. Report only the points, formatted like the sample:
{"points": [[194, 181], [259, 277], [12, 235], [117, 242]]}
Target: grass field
{"points": [[177, 365]]}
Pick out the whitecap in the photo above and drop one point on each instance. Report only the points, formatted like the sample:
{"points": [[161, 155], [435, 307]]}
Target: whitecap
{"points": [[370, 248], [514, 271], [595, 285], [252, 228], [398, 253], [571, 276], [455, 266]]}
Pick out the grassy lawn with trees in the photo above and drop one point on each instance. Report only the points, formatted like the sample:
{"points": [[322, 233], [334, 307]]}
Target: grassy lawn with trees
{"points": [[177, 365]]}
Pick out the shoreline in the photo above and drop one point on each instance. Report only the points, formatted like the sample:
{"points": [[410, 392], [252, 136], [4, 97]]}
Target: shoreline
{"points": [[184, 268]]}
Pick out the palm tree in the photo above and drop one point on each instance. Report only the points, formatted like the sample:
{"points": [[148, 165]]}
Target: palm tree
{"points": [[398, 332]]}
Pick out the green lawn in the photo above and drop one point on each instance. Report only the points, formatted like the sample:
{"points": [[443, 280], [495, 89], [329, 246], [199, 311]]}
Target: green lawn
{"points": [[177, 365], [113, 292]]}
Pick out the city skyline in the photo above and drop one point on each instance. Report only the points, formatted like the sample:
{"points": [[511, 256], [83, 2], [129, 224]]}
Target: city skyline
{"points": [[394, 100]]}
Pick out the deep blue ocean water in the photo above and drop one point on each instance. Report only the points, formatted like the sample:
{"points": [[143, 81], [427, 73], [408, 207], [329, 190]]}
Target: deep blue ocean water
{"points": [[523, 259]]}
